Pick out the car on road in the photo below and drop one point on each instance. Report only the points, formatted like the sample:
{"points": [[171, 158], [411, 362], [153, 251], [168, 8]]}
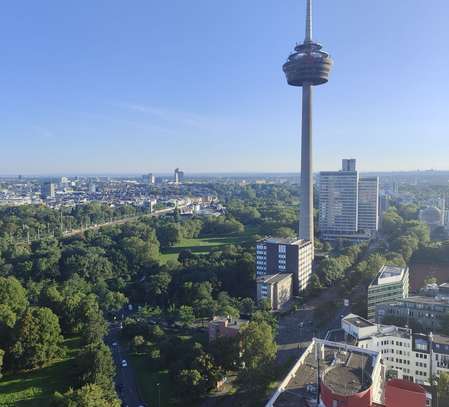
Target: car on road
{"points": [[124, 363], [114, 343]]}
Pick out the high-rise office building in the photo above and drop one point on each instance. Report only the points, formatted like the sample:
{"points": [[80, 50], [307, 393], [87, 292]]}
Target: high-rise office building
{"points": [[306, 67], [179, 176], [368, 208], [149, 179], [338, 196], [348, 164], [349, 204], [285, 255], [48, 190]]}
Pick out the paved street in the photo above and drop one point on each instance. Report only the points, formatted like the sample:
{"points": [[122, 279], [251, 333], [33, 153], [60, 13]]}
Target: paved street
{"points": [[294, 333], [125, 378], [297, 329]]}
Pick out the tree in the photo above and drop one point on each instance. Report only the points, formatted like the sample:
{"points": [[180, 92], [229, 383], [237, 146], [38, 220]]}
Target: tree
{"points": [[209, 371], [247, 306], [95, 326], [157, 287], [140, 253], [96, 366], [90, 395], [332, 269], [186, 315], [169, 234], [12, 295], [392, 222], [188, 380], [258, 346], [2, 355], [246, 214], [443, 388], [225, 351], [184, 256], [284, 231], [430, 280], [87, 261], [258, 354], [405, 245], [46, 256], [38, 339], [418, 229], [138, 342], [113, 301], [315, 285]]}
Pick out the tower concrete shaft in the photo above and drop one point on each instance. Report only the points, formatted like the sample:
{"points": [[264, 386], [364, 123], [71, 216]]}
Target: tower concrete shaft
{"points": [[306, 207], [306, 67]]}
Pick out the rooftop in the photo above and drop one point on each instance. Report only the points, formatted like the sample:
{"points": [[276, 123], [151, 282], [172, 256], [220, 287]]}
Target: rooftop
{"points": [[344, 369], [389, 275], [420, 299], [273, 278], [441, 339], [359, 322], [235, 323], [392, 330], [281, 240]]}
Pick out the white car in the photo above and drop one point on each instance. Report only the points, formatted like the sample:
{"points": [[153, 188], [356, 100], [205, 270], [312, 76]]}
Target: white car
{"points": [[124, 363], [114, 343]]}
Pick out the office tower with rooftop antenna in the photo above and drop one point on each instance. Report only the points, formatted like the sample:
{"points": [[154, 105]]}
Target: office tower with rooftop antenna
{"points": [[306, 67]]}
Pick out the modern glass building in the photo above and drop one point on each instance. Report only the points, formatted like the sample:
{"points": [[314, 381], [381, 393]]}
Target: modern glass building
{"points": [[391, 284]]}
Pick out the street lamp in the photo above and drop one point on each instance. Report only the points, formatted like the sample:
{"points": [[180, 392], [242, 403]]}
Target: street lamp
{"points": [[158, 394]]}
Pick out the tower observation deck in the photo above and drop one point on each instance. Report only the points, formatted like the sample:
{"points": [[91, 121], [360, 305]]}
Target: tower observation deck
{"points": [[307, 66]]}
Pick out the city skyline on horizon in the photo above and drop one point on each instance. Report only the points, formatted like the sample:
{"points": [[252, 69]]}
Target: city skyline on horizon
{"points": [[103, 99]]}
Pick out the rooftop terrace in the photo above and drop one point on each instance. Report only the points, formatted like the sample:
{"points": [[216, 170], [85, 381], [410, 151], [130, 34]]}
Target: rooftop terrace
{"points": [[343, 369]]}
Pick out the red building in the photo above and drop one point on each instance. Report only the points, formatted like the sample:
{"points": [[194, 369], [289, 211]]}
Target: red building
{"points": [[331, 399], [400, 393], [225, 326]]}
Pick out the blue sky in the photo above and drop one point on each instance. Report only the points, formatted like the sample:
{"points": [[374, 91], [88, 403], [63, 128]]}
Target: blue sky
{"points": [[94, 86]]}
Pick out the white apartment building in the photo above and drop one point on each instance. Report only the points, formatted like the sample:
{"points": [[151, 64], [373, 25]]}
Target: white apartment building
{"points": [[405, 355]]}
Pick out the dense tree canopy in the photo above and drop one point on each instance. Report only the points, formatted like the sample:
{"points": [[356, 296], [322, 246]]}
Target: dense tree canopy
{"points": [[38, 339]]}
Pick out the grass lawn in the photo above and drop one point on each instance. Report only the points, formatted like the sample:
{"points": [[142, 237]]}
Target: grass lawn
{"points": [[148, 375], [204, 245], [34, 389], [147, 378]]}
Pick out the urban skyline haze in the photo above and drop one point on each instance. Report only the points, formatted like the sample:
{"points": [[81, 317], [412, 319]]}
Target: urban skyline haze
{"points": [[101, 87]]}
